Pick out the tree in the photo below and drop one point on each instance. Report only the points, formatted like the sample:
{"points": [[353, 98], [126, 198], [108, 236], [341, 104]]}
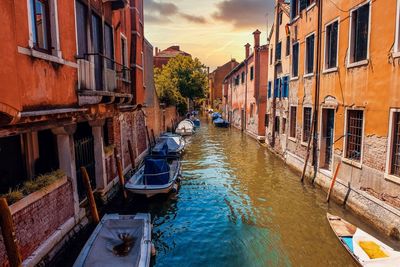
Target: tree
{"points": [[182, 78]]}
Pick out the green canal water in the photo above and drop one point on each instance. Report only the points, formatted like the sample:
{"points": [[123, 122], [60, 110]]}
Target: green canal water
{"points": [[238, 205]]}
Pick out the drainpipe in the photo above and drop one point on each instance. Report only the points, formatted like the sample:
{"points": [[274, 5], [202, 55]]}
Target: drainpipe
{"points": [[317, 88], [278, 6]]}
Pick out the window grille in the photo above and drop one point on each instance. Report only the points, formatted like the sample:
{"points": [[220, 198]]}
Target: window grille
{"points": [[354, 134]]}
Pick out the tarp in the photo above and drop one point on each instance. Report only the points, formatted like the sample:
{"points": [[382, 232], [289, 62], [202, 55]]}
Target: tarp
{"points": [[156, 172], [161, 148], [216, 115], [219, 121]]}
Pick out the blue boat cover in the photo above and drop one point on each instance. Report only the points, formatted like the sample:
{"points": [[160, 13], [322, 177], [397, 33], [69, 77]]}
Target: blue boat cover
{"points": [[349, 242], [219, 121], [156, 171], [196, 122], [216, 115], [161, 151]]}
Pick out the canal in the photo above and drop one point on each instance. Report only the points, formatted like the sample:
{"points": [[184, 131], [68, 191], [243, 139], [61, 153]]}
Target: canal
{"points": [[238, 205]]}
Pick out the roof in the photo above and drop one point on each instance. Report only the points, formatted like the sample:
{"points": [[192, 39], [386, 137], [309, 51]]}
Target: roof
{"points": [[172, 51]]}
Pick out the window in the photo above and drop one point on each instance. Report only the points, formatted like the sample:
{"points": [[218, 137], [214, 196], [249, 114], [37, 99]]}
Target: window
{"points": [[354, 131], [293, 120], [237, 79], [269, 89], [41, 33], [395, 146], [285, 87], [252, 73], [359, 31], [277, 88], [109, 46], [309, 58], [306, 124], [294, 9], [124, 56], [280, 17], [288, 45], [266, 120], [242, 76], [295, 60], [278, 53], [331, 45], [81, 22], [271, 59]]}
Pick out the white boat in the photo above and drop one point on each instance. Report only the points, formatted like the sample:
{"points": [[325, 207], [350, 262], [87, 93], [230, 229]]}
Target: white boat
{"points": [[176, 145], [365, 249], [185, 127], [118, 240], [155, 176]]}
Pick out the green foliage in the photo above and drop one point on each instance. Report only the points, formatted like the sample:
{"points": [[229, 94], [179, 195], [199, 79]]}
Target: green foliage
{"points": [[32, 186], [183, 77]]}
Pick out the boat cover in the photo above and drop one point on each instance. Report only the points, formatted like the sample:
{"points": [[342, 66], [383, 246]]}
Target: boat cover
{"points": [[161, 148], [101, 252], [156, 172], [196, 122], [219, 121], [216, 115]]}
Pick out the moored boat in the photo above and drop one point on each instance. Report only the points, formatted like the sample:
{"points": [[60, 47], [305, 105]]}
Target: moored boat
{"points": [[155, 176], [216, 115], [119, 240], [221, 123], [365, 249], [169, 145], [185, 128]]}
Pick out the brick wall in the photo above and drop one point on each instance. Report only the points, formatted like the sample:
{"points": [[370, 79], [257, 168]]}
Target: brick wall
{"points": [[38, 221]]}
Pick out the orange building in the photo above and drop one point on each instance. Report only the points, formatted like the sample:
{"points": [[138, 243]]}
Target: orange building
{"points": [[215, 81], [161, 58], [245, 91], [72, 90]]}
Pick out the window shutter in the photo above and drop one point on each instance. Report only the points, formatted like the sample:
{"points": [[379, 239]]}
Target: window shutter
{"points": [[303, 4], [276, 88], [285, 87], [269, 89]]}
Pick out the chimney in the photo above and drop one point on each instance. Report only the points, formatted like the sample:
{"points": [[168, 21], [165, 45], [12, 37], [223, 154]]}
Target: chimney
{"points": [[256, 38], [247, 46], [156, 51]]}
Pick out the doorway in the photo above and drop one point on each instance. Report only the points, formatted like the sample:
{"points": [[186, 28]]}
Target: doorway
{"points": [[327, 136]]}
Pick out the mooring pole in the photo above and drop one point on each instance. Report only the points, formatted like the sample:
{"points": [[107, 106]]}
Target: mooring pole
{"points": [[153, 136], [131, 154], [333, 181], [9, 237], [90, 196], [120, 173]]}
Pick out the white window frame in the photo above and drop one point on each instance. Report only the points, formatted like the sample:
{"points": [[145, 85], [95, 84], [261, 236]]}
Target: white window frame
{"points": [[326, 69], [349, 52], [302, 124], [294, 139], [388, 166], [124, 54], [298, 62], [54, 29], [305, 56], [397, 36], [357, 164]]}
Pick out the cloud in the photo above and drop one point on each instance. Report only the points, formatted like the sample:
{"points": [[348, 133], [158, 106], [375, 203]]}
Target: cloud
{"points": [[156, 12], [244, 14]]}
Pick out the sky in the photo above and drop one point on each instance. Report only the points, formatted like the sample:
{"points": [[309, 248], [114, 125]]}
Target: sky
{"points": [[212, 30]]}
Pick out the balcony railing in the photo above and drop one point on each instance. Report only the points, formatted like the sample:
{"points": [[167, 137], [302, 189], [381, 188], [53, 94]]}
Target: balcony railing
{"points": [[100, 73]]}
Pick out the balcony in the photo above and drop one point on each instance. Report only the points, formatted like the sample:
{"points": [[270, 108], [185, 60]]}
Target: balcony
{"points": [[102, 80], [117, 4]]}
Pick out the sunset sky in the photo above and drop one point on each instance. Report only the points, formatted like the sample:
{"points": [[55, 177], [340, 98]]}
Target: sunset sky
{"points": [[212, 30]]}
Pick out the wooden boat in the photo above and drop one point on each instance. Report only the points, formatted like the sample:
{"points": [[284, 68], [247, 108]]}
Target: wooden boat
{"points": [[221, 123], [119, 240], [155, 176], [185, 128], [365, 249], [175, 146]]}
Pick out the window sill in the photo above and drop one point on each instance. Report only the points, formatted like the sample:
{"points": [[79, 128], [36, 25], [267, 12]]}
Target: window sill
{"points": [[293, 139], [305, 144], [295, 19], [396, 54], [335, 69], [392, 178], [309, 75], [37, 54], [353, 163], [294, 78], [357, 64]]}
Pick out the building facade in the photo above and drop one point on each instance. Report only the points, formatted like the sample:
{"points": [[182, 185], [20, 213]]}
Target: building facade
{"points": [[162, 57], [245, 91], [74, 92], [342, 106]]}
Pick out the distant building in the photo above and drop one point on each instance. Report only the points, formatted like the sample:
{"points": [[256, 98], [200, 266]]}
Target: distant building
{"points": [[245, 91], [161, 58], [215, 81]]}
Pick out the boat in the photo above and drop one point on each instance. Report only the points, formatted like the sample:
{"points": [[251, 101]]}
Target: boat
{"points": [[216, 115], [119, 240], [169, 145], [365, 249], [185, 128], [196, 123], [155, 176], [221, 123]]}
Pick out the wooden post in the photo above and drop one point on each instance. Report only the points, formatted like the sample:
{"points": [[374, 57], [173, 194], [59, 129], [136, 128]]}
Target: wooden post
{"points": [[120, 173], [333, 182], [303, 175], [131, 154], [8, 232], [90, 196]]}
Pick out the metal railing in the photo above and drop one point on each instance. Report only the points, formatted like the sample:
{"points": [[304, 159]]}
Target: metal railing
{"points": [[98, 72]]}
